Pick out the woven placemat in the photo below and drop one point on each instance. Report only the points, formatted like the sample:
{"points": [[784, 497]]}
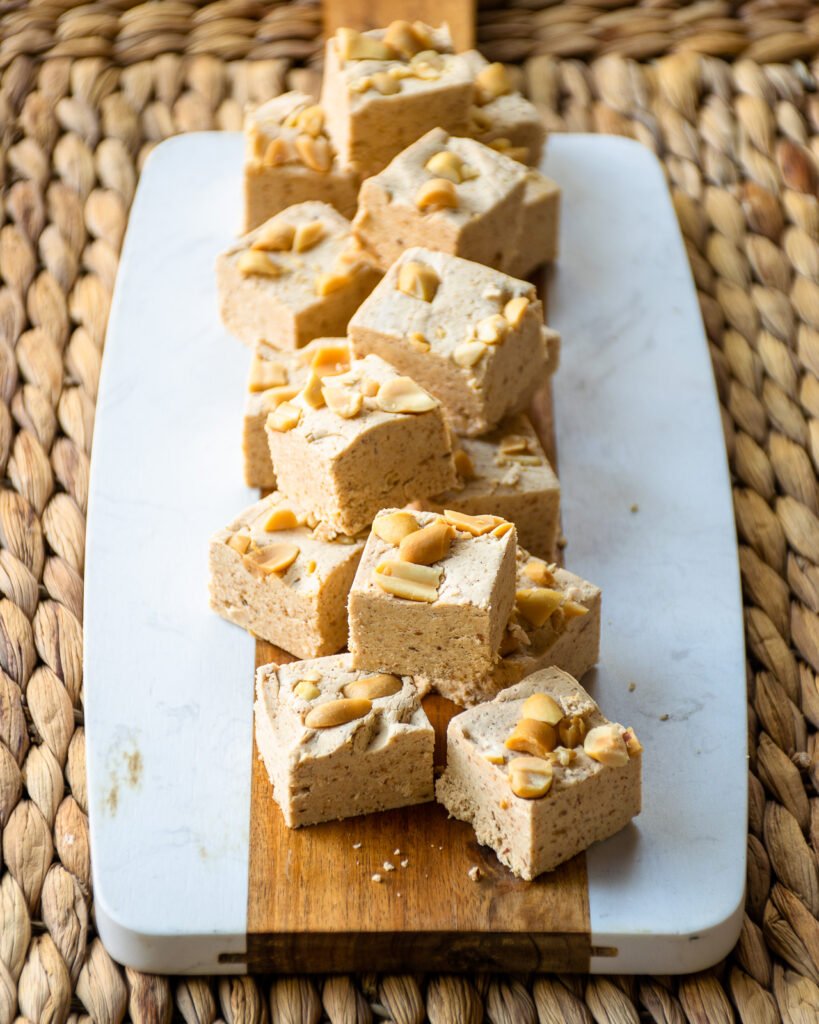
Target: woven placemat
{"points": [[84, 94]]}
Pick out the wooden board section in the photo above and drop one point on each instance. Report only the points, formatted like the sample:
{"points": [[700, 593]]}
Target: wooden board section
{"points": [[364, 14]]}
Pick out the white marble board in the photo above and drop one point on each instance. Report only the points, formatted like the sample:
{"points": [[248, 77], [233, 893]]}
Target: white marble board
{"points": [[168, 684]]}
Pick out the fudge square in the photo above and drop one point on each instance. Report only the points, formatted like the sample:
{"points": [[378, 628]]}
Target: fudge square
{"points": [[540, 774], [337, 742], [555, 622], [538, 240], [432, 594], [289, 159], [501, 117], [366, 439], [446, 193], [283, 581], [277, 377], [297, 277], [472, 336], [384, 88], [507, 474]]}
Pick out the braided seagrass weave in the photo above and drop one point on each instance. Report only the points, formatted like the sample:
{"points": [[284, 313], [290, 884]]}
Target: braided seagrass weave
{"points": [[84, 94]]}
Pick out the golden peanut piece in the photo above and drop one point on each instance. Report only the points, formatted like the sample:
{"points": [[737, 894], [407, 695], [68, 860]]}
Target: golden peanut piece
{"points": [[312, 392], [368, 387], [239, 542], [308, 235], [532, 737], [284, 417], [571, 609], [514, 444], [265, 373], [542, 708], [408, 581], [306, 689], [344, 402], [437, 193], [564, 756], [446, 164], [605, 744], [536, 604], [428, 545], [477, 526], [273, 397], [427, 65], [272, 559], [311, 120], [361, 84], [373, 687], [402, 394], [515, 309], [530, 777], [468, 354], [410, 571], [277, 152], [405, 39], [333, 281], [419, 342], [257, 264], [353, 45], [386, 84], [633, 745], [418, 280], [274, 238], [395, 526], [510, 642], [495, 755], [491, 82], [464, 466], [479, 120], [492, 329], [314, 153], [502, 529], [337, 712], [572, 731], [331, 360], [539, 573], [281, 518], [504, 146]]}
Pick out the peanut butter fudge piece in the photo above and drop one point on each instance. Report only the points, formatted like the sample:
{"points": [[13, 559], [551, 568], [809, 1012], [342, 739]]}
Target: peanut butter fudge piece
{"points": [[384, 88], [540, 773], [472, 336], [540, 227], [500, 116], [367, 438], [282, 580], [433, 594], [289, 159], [277, 377], [555, 622], [507, 474], [337, 742], [446, 193], [297, 277]]}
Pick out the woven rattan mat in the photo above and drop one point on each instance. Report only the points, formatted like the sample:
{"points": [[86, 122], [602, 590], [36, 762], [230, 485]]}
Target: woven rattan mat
{"points": [[84, 94]]}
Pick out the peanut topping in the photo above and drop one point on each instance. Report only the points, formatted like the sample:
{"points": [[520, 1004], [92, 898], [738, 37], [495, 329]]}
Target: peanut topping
{"points": [[475, 525], [479, 120], [405, 39], [492, 329], [311, 120], [354, 45], [331, 360], [514, 444], [368, 387], [264, 374], [468, 353], [255, 264], [402, 394], [502, 529], [532, 737], [312, 392], [273, 397], [277, 152], [419, 342], [373, 687], [306, 689], [427, 65], [437, 193], [272, 559], [543, 708], [571, 609], [605, 744], [281, 518], [572, 731], [633, 745], [418, 280], [395, 526], [536, 604], [314, 153], [344, 402], [332, 282], [448, 165], [464, 466], [284, 417], [239, 542], [530, 777], [539, 573], [307, 235], [491, 82], [387, 85], [407, 580], [504, 146], [337, 712], [564, 756], [428, 545], [515, 309], [274, 238]]}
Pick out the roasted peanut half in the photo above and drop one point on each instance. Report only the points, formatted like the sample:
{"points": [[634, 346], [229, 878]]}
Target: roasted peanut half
{"points": [[530, 777], [306, 689], [344, 402], [491, 82], [403, 395], [464, 466], [274, 238], [284, 417], [281, 518], [536, 604], [386, 84], [308, 235], [468, 354], [333, 281], [272, 559], [257, 264], [515, 310], [532, 737], [477, 526], [373, 687], [418, 280], [542, 708], [314, 153], [539, 573], [437, 193], [239, 542], [572, 731], [337, 712], [395, 526], [353, 45], [265, 373], [427, 545], [408, 581], [492, 329], [405, 39], [605, 744]]}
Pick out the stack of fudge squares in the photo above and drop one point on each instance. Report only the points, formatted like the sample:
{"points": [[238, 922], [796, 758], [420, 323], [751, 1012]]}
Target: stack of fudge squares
{"points": [[407, 539]]}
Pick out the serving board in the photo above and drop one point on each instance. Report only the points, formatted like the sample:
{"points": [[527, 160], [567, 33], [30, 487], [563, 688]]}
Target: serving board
{"points": [[193, 869]]}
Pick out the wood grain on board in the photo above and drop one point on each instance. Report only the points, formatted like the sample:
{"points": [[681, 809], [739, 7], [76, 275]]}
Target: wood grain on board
{"points": [[364, 14]]}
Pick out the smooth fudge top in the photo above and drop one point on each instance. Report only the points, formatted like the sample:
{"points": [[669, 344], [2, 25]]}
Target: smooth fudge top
{"points": [[272, 537], [334, 413], [451, 559], [277, 376], [323, 704], [289, 129], [546, 734], [301, 255]]}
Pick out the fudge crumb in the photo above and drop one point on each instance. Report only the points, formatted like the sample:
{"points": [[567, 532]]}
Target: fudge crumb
{"points": [[396, 853], [663, 718], [405, 862], [632, 687], [389, 866], [356, 846], [635, 507], [562, 542], [475, 873], [376, 877]]}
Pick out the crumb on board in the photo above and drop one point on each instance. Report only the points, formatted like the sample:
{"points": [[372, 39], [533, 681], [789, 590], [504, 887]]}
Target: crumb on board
{"points": [[562, 541], [356, 846], [396, 853], [635, 507], [405, 862], [389, 866], [475, 873], [632, 687], [375, 878], [664, 718]]}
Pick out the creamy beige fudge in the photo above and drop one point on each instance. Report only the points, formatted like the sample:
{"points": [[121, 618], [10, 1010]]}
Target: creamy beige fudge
{"points": [[365, 439], [277, 377], [540, 773], [337, 742], [384, 88], [282, 580], [433, 594], [555, 621], [446, 193], [538, 241], [500, 116], [507, 474], [297, 277], [472, 336], [289, 159]]}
